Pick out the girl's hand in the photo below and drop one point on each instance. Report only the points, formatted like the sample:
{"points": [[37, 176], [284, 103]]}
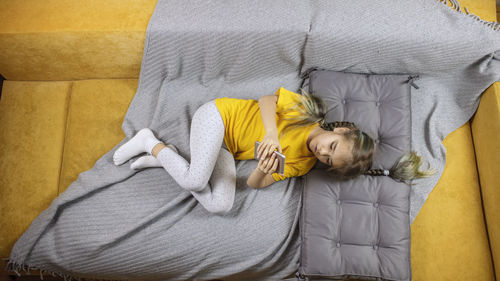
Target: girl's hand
{"points": [[268, 165], [268, 145]]}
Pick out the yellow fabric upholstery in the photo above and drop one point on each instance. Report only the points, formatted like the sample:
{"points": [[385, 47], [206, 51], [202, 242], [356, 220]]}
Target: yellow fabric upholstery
{"points": [[53, 131], [33, 121], [95, 117], [72, 40], [448, 236], [486, 132], [485, 9]]}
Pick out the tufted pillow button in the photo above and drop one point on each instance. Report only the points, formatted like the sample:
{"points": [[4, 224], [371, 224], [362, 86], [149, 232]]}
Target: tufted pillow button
{"points": [[376, 205], [338, 202], [375, 247], [343, 101], [377, 103], [338, 245]]}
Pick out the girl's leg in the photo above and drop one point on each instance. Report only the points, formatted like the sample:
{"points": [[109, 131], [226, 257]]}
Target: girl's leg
{"points": [[206, 137], [218, 196]]}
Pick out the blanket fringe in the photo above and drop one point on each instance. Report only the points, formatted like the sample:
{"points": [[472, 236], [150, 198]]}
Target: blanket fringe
{"points": [[455, 5], [17, 267]]}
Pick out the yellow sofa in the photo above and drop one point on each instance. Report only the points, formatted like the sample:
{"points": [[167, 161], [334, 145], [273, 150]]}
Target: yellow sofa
{"points": [[72, 69]]}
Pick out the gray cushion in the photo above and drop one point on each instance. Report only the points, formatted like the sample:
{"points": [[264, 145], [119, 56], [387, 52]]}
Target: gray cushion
{"points": [[360, 228]]}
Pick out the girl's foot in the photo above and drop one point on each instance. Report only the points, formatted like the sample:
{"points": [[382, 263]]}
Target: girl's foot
{"points": [[143, 141], [149, 161]]}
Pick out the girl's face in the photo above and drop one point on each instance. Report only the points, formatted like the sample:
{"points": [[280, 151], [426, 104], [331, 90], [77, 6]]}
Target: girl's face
{"points": [[330, 147]]}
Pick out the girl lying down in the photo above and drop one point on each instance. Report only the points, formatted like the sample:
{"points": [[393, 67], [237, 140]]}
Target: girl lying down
{"points": [[294, 120]]}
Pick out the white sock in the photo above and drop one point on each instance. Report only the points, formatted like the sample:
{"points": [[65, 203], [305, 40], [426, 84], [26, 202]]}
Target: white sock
{"points": [[143, 141], [147, 161]]}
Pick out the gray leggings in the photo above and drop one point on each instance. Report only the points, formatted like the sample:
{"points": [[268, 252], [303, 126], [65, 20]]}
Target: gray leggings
{"points": [[211, 175]]}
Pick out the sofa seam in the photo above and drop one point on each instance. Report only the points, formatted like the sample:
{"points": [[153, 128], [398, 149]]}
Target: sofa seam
{"points": [[482, 203], [68, 105], [1, 85], [410, 271]]}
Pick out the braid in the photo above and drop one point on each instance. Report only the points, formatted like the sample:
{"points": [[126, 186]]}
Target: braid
{"points": [[404, 170], [331, 126], [378, 172], [372, 172], [336, 124]]}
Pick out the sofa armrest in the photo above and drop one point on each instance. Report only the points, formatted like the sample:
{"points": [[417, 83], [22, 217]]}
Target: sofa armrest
{"points": [[485, 126]]}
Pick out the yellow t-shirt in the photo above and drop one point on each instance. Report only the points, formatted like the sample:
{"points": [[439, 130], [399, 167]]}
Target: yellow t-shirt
{"points": [[244, 126]]}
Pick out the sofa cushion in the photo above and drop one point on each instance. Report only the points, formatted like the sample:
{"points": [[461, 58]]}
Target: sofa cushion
{"points": [[485, 126], [448, 236], [95, 115], [360, 227], [33, 123]]}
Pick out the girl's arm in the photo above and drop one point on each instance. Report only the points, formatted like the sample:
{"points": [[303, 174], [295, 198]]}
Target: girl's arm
{"points": [[259, 179], [267, 106], [256, 178]]}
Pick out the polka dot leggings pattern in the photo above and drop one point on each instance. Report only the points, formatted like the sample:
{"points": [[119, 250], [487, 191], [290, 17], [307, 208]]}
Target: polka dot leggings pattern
{"points": [[211, 175]]}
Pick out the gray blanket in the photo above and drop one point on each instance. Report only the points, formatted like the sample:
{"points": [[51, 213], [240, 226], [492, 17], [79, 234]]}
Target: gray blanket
{"points": [[116, 223]]}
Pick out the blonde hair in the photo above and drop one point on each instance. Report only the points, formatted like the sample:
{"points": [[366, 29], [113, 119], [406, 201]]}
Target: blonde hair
{"points": [[312, 110]]}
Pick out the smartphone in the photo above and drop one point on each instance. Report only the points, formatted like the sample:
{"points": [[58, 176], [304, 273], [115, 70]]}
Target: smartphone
{"points": [[281, 159]]}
